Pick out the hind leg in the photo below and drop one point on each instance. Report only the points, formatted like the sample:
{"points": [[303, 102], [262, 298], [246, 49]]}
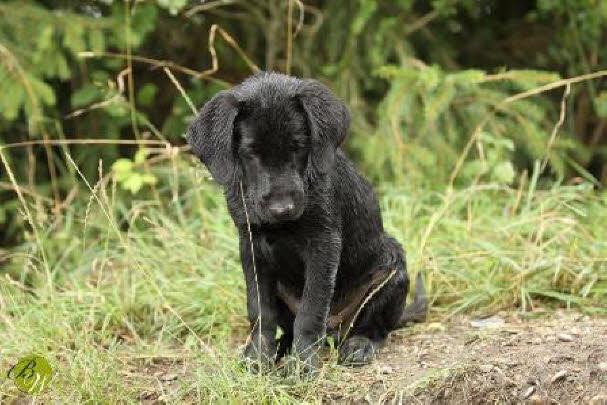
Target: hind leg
{"points": [[381, 314]]}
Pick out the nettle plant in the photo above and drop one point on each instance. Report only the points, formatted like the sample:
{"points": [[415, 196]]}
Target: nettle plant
{"points": [[132, 174]]}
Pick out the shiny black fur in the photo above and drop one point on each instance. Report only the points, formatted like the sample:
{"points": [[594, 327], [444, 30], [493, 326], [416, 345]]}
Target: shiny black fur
{"points": [[316, 224]]}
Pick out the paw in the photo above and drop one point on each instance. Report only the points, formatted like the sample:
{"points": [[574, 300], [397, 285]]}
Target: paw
{"points": [[297, 366], [257, 357], [304, 360], [357, 351]]}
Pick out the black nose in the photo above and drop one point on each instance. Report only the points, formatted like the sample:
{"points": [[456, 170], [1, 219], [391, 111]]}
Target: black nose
{"points": [[281, 209]]}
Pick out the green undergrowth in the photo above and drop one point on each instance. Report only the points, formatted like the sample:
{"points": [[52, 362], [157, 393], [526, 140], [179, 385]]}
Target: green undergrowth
{"points": [[119, 287]]}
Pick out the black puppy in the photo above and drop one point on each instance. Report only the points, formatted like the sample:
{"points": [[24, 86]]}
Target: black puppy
{"points": [[314, 252]]}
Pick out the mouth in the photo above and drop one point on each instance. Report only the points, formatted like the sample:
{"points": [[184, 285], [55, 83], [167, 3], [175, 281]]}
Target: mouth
{"points": [[283, 218]]}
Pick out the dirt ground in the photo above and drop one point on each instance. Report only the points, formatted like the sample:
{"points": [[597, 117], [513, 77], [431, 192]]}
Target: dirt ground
{"points": [[556, 358], [560, 359]]}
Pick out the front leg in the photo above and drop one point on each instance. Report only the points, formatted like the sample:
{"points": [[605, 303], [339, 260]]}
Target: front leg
{"points": [[322, 261], [261, 304]]}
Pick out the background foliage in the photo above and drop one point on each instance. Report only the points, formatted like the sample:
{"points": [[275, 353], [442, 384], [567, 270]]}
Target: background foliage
{"points": [[419, 76], [482, 124]]}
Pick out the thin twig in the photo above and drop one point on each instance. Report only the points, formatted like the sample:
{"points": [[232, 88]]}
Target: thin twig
{"points": [[181, 90], [10, 186], [83, 142], [422, 22], [246, 213], [556, 128], [208, 6], [554, 85], [289, 36], [197, 74], [228, 38], [300, 21], [131, 74], [143, 59], [364, 303]]}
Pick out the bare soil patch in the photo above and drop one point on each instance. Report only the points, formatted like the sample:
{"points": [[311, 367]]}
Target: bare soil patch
{"points": [[558, 359]]}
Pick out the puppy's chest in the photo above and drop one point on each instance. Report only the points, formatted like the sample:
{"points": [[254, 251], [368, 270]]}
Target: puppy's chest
{"points": [[285, 251]]}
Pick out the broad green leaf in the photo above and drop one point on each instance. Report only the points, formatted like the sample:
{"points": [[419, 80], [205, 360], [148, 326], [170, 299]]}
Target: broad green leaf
{"points": [[149, 178], [122, 166], [133, 183], [141, 155]]}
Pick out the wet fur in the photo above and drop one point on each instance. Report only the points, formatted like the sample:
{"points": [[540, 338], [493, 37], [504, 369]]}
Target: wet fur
{"points": [[333, 240]]}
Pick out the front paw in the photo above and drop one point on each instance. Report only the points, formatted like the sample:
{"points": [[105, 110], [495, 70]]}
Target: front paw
{"points": [[304, 359], [259, 354], [301, 366]]}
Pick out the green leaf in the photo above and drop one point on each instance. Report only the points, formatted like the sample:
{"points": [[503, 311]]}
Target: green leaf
{"points": [[143, 21], [473, 168], [600, 104], [431, 77], [174, 6], [141, 155], [12, 100], [44, 92], [96, 40], [133, 183], [73, 38], [466, 78], [122, 166], [45, 39], [503, 172], [62, 68], [85, 96], [366, 10], [146, 94], [117, 110], [149, 178]]}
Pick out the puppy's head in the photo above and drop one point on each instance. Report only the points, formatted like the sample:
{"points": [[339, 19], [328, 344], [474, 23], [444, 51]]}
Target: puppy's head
{"points": [[274, 133]]}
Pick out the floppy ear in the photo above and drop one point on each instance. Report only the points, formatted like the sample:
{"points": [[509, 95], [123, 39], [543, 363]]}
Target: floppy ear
{"points": [[329, 121], [211, 136]]}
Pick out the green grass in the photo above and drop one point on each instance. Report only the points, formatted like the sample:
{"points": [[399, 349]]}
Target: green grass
{"points": [[119, 288]]}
